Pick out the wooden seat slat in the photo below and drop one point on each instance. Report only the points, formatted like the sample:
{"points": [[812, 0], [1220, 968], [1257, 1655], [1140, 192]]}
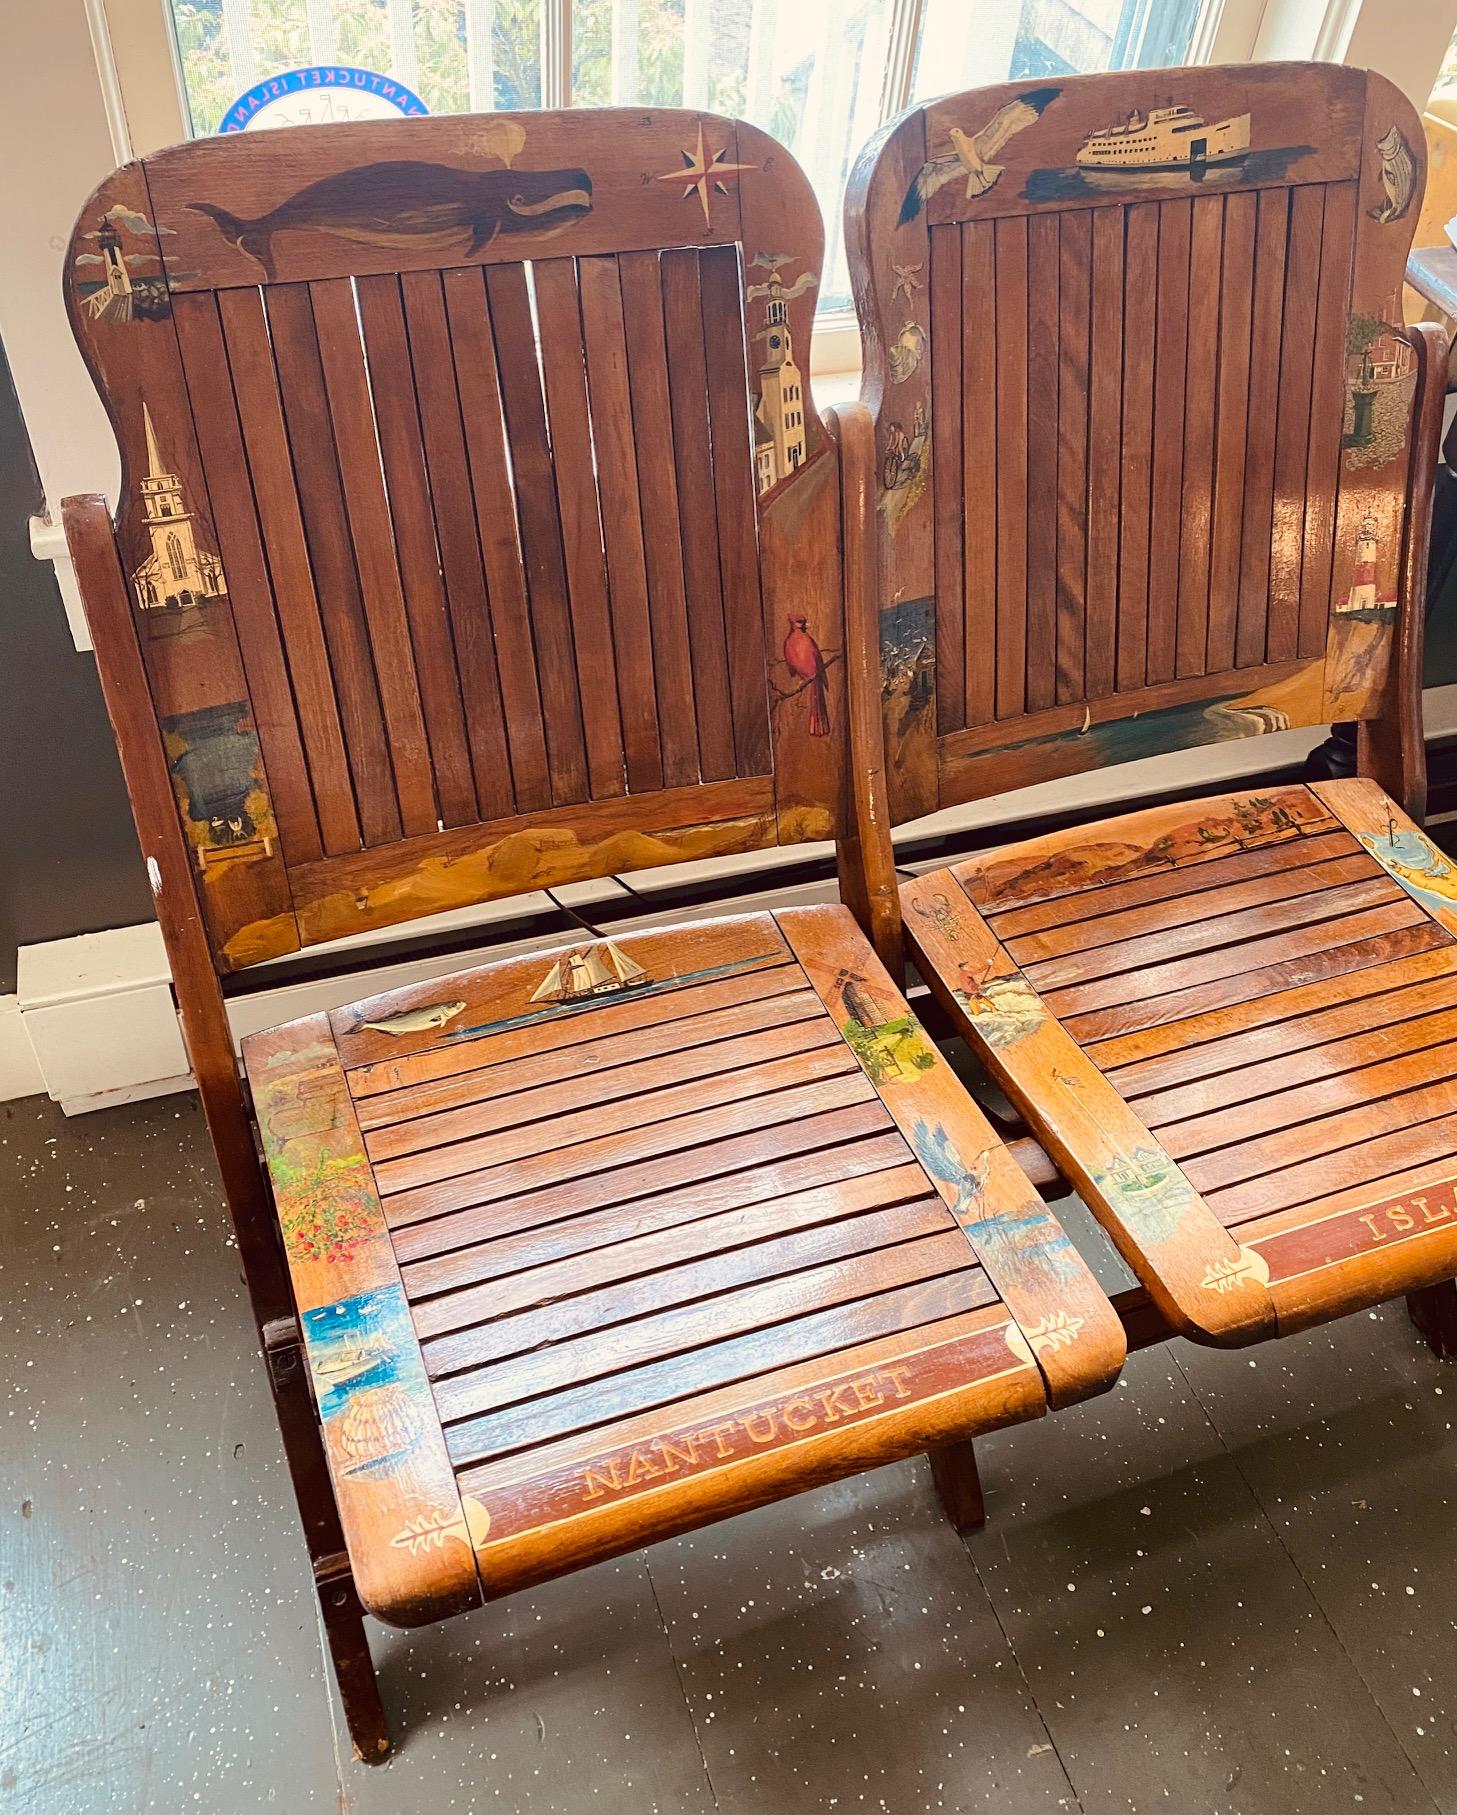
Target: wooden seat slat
{"points": [[1304, 1181], [1043, 455], [679, 1331], [1353, 1056], [1367, 939], [1341, 1126], [819, 1333], [1176, 883], [1365, 910], [1218, 938], [458, 1332], [616, 1089], [1312, 1017], [658, 1109], [552, 1204], [516, 1272], [691, 1133], [1094, 930], [590, 1064]]}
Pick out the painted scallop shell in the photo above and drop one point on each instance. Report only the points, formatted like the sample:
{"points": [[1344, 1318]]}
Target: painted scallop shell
{"points": [[379, 1425]]}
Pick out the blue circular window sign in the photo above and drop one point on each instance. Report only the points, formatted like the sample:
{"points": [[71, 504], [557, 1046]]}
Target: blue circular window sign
{"points": [[321, 96]]}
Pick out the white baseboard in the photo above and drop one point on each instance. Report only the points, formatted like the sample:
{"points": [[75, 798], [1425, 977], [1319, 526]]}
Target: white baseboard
{"points": [[20, 1072]]}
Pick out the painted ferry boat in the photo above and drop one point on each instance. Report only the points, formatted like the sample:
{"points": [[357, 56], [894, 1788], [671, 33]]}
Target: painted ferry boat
{"points": [[1164, 141]]}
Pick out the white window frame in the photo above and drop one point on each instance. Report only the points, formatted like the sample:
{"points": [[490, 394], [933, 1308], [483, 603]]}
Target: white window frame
{"points": [[112, 90]]}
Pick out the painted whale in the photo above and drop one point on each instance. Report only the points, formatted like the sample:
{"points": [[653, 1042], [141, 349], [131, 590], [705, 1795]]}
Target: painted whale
{"points": [[409, 204]]}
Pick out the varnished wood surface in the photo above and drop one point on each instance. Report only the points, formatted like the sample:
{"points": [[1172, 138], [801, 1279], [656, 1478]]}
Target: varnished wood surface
{"points": [[1168, 404], [723, 1229], [1266, 985]]}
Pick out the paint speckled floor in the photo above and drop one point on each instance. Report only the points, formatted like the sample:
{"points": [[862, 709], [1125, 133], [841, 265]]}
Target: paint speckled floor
{"points": [[1225, 1589]]}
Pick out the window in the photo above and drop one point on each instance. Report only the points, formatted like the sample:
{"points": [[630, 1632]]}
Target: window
{"points": [[821, 75]]}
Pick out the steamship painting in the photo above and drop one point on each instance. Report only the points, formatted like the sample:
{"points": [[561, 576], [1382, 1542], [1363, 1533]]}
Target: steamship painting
{"points": [[1159, 147]]}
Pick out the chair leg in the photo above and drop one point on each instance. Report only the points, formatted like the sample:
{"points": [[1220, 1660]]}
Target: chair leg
{"points": [[353, 1666], [1434, 1312], [953, 1469]]}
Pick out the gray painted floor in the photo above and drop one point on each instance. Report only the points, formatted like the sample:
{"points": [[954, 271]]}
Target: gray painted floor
{"points": [[1224, 1588]]}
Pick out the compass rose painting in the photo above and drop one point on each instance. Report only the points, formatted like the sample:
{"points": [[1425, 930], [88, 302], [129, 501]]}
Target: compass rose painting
{"points": [[703, 174]]}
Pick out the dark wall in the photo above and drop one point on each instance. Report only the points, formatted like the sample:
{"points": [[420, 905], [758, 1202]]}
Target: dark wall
{"points": [[69, 861]]}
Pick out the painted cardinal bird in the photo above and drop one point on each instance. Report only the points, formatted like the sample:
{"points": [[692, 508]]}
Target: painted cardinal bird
{"points": [[802, 654]]}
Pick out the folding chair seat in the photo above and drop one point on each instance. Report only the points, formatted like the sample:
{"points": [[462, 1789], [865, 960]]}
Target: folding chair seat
{"points": [[1169, 485], [464, 551], [594, 1246]]}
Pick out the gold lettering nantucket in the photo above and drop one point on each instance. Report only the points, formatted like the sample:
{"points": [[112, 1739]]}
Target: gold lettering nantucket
{"points": [[775, 1421]]}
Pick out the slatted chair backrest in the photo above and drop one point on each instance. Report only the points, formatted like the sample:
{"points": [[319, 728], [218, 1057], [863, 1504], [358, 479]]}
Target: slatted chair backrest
{"points": [[1143, 404], [479, 530]]}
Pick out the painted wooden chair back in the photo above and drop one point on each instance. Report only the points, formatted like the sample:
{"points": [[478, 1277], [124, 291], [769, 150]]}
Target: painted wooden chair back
{"points": [[441, 446], [1143, 405]]}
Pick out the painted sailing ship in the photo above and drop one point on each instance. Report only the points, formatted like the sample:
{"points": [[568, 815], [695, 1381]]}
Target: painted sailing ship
{"points": [[589, 971], [1163, 141]]}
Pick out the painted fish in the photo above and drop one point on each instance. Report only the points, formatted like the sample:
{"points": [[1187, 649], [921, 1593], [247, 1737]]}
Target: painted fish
{"points": [[414, 1020], [413, 204]]}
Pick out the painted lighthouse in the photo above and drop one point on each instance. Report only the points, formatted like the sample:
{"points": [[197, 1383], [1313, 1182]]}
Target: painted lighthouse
{"points": [[114, 298], [1364, 601], [177, 574]]}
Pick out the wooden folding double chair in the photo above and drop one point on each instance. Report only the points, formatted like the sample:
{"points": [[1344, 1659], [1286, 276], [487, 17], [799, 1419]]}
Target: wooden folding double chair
{"points": [[478, 534], [1154, 468]]}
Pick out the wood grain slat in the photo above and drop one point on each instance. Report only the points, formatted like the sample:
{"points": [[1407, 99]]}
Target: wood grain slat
{"points": [[1292, 426], [1105, 425], [1140, 324], [563, 365], [1204, 906], [230, 492], [1206, 262], [1043, 505], [462, 571], [478, 384], [619, 1241], [561, 1133], [553, 1169], [1213, 944], [1175, 883], [979, 507], [537, 1054], [538, 514], [304, 395], [1073, 404], [1345, 1164], [1370, 938], [721, 298], [716, 1180], [592, 1064], [692, 457], [457, 1333], [1327, 408], [615, 1088], [393, 382], [1373, 916], [1272, 213], [1234, 400], [1358, 1054], [1171, 356], [1011, 326], [654, 1383], [605, 337], [1342, 1130], [1292, 1021], [952, 529], [657, 482], [366, 500]]}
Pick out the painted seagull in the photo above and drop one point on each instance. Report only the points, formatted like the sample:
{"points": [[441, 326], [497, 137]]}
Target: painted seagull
{"points": [[973, 152]]}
